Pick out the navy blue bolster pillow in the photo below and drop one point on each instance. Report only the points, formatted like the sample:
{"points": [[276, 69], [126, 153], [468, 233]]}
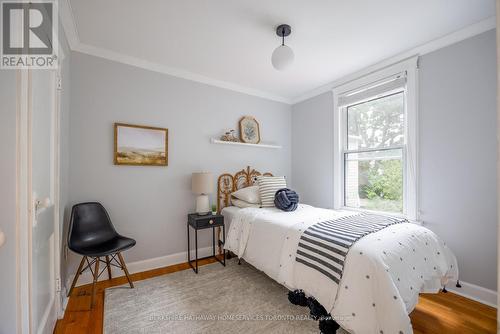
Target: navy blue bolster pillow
{"points": [[286, 199]]}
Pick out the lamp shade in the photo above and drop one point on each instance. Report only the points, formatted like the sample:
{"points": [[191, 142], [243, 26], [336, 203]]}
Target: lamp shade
{"points": [[282, 57], [202, 183]]}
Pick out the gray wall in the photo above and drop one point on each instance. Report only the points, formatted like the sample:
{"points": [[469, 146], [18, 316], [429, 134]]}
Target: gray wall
{"points": [[150, 203], [457, 139], [458, 153], [312, 150], [8, 201]]}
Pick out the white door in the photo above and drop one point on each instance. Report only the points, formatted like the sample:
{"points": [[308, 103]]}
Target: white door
{"points": [[44, 191]]}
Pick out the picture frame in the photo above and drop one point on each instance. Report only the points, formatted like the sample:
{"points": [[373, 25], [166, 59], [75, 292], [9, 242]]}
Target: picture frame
{"points": [[139, 145], [249, 130]]}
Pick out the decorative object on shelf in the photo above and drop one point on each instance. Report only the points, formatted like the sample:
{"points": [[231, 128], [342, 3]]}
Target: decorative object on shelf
{"points": [[202, 184], [214, 209], [140, 145], [283, 55], [249, 130], [229, 136]]}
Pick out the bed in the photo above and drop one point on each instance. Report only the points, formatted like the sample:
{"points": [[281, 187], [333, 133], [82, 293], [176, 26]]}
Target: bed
{"points": [[383, 272]]}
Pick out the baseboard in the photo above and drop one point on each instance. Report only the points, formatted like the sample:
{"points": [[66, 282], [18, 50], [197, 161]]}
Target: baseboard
{"points": [[140, 266], [65, 300], [475, 292], [47, 323]]}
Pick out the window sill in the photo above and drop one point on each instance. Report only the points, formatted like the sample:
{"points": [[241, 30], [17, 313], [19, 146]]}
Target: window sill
{"points": [[394, 214]]}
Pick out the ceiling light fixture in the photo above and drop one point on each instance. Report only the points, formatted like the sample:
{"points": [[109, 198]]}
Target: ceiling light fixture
{"points": [[283, 55]]}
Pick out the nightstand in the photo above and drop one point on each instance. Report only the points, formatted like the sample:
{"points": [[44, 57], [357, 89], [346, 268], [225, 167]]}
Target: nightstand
{"points": [[201, 222]]}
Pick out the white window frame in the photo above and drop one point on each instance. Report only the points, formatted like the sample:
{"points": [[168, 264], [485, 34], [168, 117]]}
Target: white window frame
{"points": [[410, 148]]}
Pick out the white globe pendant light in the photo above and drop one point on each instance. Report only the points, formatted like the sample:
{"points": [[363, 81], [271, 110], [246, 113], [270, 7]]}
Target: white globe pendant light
{"points": [[283, 55]]}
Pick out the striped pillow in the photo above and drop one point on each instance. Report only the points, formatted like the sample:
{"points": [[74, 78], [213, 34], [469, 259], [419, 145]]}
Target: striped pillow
{"points": [[268, 186]]}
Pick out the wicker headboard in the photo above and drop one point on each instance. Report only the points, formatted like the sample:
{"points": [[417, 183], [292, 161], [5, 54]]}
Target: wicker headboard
{"points": [[227, 183]]}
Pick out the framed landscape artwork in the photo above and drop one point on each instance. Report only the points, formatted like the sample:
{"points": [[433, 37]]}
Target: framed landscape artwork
{"points": [[140, 145]]}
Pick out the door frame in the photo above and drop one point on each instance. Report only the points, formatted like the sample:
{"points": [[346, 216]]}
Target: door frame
{"points": [[25, 206], [56, 170], [498, 160], [23, 200]]}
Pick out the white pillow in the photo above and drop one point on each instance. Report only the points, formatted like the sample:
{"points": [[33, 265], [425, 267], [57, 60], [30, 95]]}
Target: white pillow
{"points": [[248, 194], [242, 204], [268, 186]]}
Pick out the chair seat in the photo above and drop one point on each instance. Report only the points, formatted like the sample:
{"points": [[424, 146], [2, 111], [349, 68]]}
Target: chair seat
{"points": [[114, 245]]}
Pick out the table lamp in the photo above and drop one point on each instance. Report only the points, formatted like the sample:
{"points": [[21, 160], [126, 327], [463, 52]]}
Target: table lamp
{"points": [[201, 184]]}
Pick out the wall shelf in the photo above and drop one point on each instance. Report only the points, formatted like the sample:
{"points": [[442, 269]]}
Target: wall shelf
{"points": [[263, 145]]}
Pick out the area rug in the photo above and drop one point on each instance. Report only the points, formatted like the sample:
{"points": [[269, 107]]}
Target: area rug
{"points": [[231, 299]]}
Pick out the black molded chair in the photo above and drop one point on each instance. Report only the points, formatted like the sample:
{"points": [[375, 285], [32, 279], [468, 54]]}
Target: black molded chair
{"points": [[92, 235]]}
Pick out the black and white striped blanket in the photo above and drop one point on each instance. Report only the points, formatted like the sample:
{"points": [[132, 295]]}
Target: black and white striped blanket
{"points": [[324, 246]]}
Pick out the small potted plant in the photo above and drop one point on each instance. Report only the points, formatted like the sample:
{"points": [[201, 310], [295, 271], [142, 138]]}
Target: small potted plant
{"points": [[214, 209]]}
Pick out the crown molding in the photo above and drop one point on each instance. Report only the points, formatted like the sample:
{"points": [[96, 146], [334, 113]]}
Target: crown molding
{"points": [[68, 23], [176, 72], [457, 36], [71, 31]]}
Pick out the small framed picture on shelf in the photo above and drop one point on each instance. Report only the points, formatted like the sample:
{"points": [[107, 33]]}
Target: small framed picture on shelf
{"points": [[249, 130]]}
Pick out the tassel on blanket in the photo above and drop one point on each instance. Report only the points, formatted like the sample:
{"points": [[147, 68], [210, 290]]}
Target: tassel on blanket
{"points": [[297, 297], [328, 326], [326, 323], [316, 310]]}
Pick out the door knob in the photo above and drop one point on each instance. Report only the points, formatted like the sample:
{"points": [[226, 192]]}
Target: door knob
{"points": [[39, 205], [42, 203]]}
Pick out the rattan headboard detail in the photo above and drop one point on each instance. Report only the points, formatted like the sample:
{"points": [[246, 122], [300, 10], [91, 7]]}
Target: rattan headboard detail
{"points": [[227, 183]]}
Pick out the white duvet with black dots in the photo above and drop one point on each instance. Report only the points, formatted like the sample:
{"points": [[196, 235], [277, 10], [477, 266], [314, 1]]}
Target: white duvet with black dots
{"points": [[382, 276]]}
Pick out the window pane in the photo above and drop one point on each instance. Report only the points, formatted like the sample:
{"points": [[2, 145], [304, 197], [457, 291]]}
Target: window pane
{"points": [[377, 123], [374, 180]]}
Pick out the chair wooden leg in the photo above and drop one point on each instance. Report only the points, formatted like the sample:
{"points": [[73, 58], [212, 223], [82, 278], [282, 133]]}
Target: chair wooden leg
{"points": [[124, 267], [96, 276], [109, 267], [76, 276]]}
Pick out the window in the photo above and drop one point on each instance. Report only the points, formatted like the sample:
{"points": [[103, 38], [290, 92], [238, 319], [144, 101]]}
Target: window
{"points": [[373, 159], [376, 144]]}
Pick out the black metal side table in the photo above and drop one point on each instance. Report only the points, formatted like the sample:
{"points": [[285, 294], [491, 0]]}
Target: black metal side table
{"points": [[201, 222]]}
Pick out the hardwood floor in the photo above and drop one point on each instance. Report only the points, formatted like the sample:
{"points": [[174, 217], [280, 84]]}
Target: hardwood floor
{"points": [[451, 313], [441, 313]]}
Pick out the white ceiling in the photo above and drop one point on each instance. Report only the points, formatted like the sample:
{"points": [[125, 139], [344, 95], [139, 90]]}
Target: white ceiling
{"points": [[231, 41]]}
